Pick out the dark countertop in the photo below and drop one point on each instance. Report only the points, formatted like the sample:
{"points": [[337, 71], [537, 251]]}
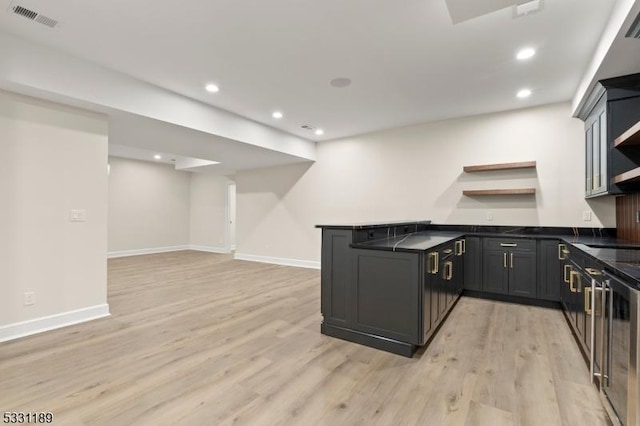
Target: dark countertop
{"points": [[618, 256], [418, 241], [372, 225]]}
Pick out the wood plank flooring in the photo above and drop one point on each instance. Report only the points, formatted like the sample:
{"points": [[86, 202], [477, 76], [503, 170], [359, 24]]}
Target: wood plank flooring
{"points": [[203, 339]]}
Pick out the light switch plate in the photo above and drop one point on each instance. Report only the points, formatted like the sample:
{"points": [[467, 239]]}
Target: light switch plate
{"points": [[78, 216], [586, 216], [489, 215]]}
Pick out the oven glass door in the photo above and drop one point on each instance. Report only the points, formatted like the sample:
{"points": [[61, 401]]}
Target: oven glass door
{"points": [[617, 346]]}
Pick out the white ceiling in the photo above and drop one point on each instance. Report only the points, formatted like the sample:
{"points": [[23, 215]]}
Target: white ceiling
{"points": [[408, 62]]}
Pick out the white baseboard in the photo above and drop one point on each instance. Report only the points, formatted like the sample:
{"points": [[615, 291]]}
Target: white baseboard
{"points": [[209, 249], [138, 252], [278, 260], [51, 322]]}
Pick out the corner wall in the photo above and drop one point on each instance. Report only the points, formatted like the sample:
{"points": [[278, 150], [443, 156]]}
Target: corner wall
{"points": [[55, 160], [149, 207], [416, 173]]}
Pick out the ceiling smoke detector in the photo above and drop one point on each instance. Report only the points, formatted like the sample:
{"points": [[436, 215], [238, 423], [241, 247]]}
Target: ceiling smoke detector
{"points": [[32, 15]]}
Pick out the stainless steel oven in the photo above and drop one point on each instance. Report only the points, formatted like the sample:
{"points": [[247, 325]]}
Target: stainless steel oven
{"points": [[613, 305]]}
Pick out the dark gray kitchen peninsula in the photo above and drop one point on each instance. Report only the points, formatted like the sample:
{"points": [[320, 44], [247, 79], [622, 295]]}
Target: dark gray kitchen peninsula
{"points": [[389, 286]]}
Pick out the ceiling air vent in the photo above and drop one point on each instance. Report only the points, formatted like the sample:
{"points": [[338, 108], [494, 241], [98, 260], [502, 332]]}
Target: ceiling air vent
{"points": [[34, 16], [634, 31]]}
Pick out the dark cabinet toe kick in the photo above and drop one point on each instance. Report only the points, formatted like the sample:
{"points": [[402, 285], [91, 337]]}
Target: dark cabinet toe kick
{"points": [[371, 340]]}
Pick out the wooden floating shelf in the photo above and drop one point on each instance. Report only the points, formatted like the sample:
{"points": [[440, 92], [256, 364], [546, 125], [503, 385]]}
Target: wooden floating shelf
{"points": [[500, 166], [514, 191], [630, 137], [627, 177]]}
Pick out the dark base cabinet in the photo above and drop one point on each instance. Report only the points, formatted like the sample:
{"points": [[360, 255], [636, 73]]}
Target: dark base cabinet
{"points": [[509, 266], [472, 263], [549, 269]]}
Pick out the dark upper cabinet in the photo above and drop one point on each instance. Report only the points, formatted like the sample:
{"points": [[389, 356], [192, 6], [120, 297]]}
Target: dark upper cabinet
{"points": [[509, 266], [550, 269], [611, 108]]}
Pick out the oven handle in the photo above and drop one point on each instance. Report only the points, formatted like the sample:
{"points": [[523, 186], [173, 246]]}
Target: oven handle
{"points": [[592, 350]]}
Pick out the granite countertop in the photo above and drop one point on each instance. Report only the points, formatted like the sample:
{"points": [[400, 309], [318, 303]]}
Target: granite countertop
{"points": [[417, 241]]}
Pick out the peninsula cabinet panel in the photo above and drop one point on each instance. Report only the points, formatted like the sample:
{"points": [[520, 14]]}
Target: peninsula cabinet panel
{"points": [[387, 294], [522, 274]]}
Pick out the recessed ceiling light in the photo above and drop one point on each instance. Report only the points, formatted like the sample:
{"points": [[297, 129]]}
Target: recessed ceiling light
{"points": [[523, 93], [319, 132], [158, 157], [277, 114], [212, 88], [525, 53]]}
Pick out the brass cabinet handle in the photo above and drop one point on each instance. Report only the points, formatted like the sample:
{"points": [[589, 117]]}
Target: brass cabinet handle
{"points": [[562, 250], [433, 256], [508, 245], [593, 271], [459, 248], [447, 251], [567, 271], [587, 301], [464, 245], [572, 286], [448, 270], [504, 259], [511, 261]]}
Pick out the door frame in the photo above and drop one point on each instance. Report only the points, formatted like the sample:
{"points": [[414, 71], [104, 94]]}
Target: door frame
{"points": [[227, 216]]}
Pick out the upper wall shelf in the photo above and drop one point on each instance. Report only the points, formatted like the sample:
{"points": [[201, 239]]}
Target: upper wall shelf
{"points": [[630, 137], [500, 166], [513, 191]]}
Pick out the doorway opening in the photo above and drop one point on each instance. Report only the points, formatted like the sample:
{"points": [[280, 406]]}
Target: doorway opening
{"points": [[230, 232]]}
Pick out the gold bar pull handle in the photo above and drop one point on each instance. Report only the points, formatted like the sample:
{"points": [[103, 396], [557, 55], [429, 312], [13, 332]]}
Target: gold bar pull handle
{"points": [[572, 286], [433, 257], [567, 272], [464, 246], [436, 262], [508, 245], [504, 259], [448, 270], [511, 260], [447, 251], [459, 248], [587, 301], [562, 252], [593, 271]]}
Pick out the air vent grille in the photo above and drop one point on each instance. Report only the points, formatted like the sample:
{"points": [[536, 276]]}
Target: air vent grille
{"points": [[23, 11], [45, 20], [32, 15], [634, 31]]}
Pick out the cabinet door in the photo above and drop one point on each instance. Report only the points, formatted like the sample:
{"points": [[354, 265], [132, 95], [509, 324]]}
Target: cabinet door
{"points": [[472, 264], [522, 273], [428, 292], [495, 274], [588, 190], [336, 276], [549, 270]]}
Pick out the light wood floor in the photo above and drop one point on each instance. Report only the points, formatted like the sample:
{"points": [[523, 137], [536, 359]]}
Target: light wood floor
{"points": [[202, 339]]}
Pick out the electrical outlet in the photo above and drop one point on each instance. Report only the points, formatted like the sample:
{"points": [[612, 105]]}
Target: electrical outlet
{"points": [[586, 216], [489, 215], [29, 298]]}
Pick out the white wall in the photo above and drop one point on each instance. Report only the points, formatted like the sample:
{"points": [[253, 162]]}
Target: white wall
{"points": [[416, 173], [54, 160], [149, 206], [208, 209]]}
